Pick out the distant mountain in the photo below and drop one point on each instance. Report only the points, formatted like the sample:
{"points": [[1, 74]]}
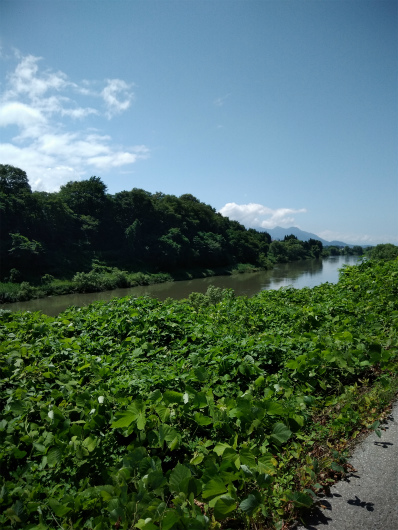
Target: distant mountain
{"points": [[279, 233]]}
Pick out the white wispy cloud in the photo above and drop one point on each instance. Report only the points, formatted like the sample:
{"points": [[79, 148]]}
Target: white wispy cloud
{"points": [[117, 96], [219, 102], [53, 142], [254, 215], [354, 238]]}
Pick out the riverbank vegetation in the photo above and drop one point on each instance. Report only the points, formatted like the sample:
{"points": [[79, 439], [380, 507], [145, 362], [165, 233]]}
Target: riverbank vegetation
{"points": [[83, 239], [213, 412]]}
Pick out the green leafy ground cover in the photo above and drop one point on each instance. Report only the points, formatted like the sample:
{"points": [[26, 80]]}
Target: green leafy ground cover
{"points": [[213, 412]]}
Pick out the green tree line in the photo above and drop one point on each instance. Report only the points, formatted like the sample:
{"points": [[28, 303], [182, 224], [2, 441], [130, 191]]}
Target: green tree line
{"points": [[61, 233]]}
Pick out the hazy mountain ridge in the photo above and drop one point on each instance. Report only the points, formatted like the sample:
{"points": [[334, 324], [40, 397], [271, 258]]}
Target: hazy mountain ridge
{"points": [[279, 233]]}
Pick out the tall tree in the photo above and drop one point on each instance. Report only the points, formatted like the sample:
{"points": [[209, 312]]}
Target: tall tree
{"points": [[13, 180]]}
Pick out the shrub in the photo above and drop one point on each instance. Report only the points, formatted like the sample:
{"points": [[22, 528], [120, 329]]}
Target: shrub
{"points": [[15, 275], [26, 291], [47, 279]]}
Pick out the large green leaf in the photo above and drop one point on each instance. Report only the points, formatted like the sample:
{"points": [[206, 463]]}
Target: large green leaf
{"points": [[170, 520], [155, 479], [90, 443], [54, 456], [251, 503], [179, 477], [300, 499], [170, 396], [201, 373], [169, 435], [224, 506], [18, 407], [163, 412], [59, 509], [134, 412], [247, 457], [280, 433], [146, 524], [220, 448], [201, 419], [213, 488], [267, 464], [273, 408]]}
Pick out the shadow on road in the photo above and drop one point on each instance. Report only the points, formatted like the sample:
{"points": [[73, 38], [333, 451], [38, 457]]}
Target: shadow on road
{"points": [[357, 502]]}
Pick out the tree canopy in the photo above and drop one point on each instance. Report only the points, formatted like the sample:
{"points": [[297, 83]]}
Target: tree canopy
{"points": [[134, 229]]}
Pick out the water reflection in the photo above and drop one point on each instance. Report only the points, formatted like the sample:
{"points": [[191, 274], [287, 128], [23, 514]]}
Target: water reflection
{"points": [[308, 273]]}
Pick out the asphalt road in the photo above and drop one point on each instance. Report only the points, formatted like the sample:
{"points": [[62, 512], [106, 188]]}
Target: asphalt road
{"points": [[368, 498]]}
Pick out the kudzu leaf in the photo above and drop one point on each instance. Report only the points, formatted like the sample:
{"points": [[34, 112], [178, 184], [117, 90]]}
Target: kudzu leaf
{"points": [[273, 408], [336, 467], [200, 522], [230, 455], [201, 419], [300, 499], [178, 477], [280, 433], [146, 524], [267, 464], [196, 459], [246, 470], [163, 412], [82, 399], [59, 509], [170, 520], [251, 503], [39, 447], [54, 456], [213, 488], [247, 457], [259, 382], [263, 480], [224, 505], [106, 492], [174, 443], [155, 396], [134, 412], [309, 400], [18, 453], [124, 419], [201, 373], [170, 396], [141, 422], [169, 435], [295, 422], [220, 448], [90, 443], [155, 480], [17, 407], [199, 400]]}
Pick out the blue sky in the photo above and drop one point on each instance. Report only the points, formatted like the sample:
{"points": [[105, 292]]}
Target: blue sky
{"points": [[279, 112]]}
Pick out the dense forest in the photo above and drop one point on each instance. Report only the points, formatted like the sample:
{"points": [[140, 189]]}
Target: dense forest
{"points": [[82, 227]]}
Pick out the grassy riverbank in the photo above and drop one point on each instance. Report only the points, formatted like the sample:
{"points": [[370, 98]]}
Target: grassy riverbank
{"points": [[211, 413], [104, 278]]}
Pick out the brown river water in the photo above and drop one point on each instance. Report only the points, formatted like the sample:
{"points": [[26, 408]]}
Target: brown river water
{"points": [[308, 273]]}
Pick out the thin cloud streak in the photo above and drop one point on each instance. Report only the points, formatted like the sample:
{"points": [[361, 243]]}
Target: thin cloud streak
{"points": [[50, 149], [357, 239], [219, 102], [254, 215]]}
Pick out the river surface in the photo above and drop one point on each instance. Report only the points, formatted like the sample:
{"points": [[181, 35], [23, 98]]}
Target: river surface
{"points": [[307, 273]]}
